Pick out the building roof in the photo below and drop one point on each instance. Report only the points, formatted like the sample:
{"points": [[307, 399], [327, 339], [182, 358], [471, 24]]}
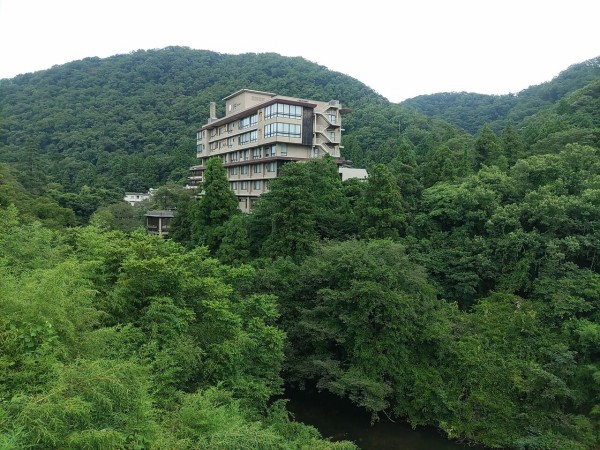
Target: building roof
{"points": [[252, 91], [137, 193], [161, 213], [223, 120]]}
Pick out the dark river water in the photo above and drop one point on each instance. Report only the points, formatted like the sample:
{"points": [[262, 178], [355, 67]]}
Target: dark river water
{"points": [[339, 420]]}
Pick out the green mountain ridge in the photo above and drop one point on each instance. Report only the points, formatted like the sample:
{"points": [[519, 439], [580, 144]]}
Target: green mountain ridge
{"points": [[96, 128], [129, 121], [471, 111]]}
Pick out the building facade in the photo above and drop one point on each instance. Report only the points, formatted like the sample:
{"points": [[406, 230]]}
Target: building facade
{"points": [[262, 131]]}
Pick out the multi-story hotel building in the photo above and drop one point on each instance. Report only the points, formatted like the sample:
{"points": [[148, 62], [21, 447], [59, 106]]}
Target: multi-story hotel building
{"points": [[262, 131]]}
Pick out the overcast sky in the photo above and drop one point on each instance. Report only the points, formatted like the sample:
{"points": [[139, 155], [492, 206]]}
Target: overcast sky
{"points": [[400, 49]]}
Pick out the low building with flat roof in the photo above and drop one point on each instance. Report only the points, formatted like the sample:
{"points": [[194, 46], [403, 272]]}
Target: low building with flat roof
{"points": [[159, 221], [351, 172]]}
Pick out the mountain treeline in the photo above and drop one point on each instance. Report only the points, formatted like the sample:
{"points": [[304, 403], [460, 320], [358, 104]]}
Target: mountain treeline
{"points": [[128, 122], [457, 287], [470, 111]]}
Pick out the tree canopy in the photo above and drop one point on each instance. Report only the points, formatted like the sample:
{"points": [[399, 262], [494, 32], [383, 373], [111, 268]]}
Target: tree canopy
{"points": [[456, 287]]}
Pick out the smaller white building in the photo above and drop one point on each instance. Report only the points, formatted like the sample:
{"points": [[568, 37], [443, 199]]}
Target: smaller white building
{"points": [[133, 198], [350, 172]]}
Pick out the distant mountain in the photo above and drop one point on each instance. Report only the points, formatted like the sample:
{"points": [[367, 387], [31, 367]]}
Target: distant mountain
{"points": [[471, 111], [575, 118], [129, 121], [85, 132]]}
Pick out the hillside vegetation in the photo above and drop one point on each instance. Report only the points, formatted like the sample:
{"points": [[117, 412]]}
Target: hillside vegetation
{"points": [[457, 287], [471, 111]]}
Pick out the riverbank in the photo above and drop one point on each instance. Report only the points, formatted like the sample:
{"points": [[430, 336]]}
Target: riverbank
{"points": [[338, 419]]}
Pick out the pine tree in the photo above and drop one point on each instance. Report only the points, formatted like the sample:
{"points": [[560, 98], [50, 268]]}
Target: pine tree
{"points": [[514, 147], [488, 148], [292, 214], [334, 218], [380, 207], [234, 245], [439, 167], [217, 205]]}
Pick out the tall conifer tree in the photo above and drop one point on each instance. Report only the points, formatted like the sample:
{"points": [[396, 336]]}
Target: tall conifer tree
{"points": [[380, 208], [217, 205], [488, 148]]}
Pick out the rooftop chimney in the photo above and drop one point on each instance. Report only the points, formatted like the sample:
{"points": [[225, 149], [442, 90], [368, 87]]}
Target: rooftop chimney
{"points": [[213, 111]]}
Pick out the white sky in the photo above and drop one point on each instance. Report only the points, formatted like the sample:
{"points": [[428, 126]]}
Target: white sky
{"points": [[401, 49]]}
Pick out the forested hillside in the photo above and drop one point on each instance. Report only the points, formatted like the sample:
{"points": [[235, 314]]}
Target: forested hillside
{"points": [[471, 111], [128, 122], [457, 287]]}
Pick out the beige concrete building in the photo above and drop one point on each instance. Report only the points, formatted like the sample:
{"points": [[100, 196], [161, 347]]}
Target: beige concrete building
{"points": [[262, 131]]}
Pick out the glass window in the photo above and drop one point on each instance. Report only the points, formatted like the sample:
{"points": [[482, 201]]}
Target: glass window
{"points": [[244, 185], [283, 110], [270, 151], [234, 185], [250, 136], [282, 129], [257, 168], [272, 167], [283, 151], [248, 121], [233, 171], [256, 185], [256, 153], [230, 142], [244, 170]]}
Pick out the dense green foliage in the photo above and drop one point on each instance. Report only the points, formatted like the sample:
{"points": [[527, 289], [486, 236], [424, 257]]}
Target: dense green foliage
{"points": [[457, 286], [128, 341], [217, 205]]}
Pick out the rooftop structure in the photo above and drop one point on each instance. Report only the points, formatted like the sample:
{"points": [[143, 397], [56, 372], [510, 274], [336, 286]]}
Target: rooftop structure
{"points": [[159, 221], [260, 132]]}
